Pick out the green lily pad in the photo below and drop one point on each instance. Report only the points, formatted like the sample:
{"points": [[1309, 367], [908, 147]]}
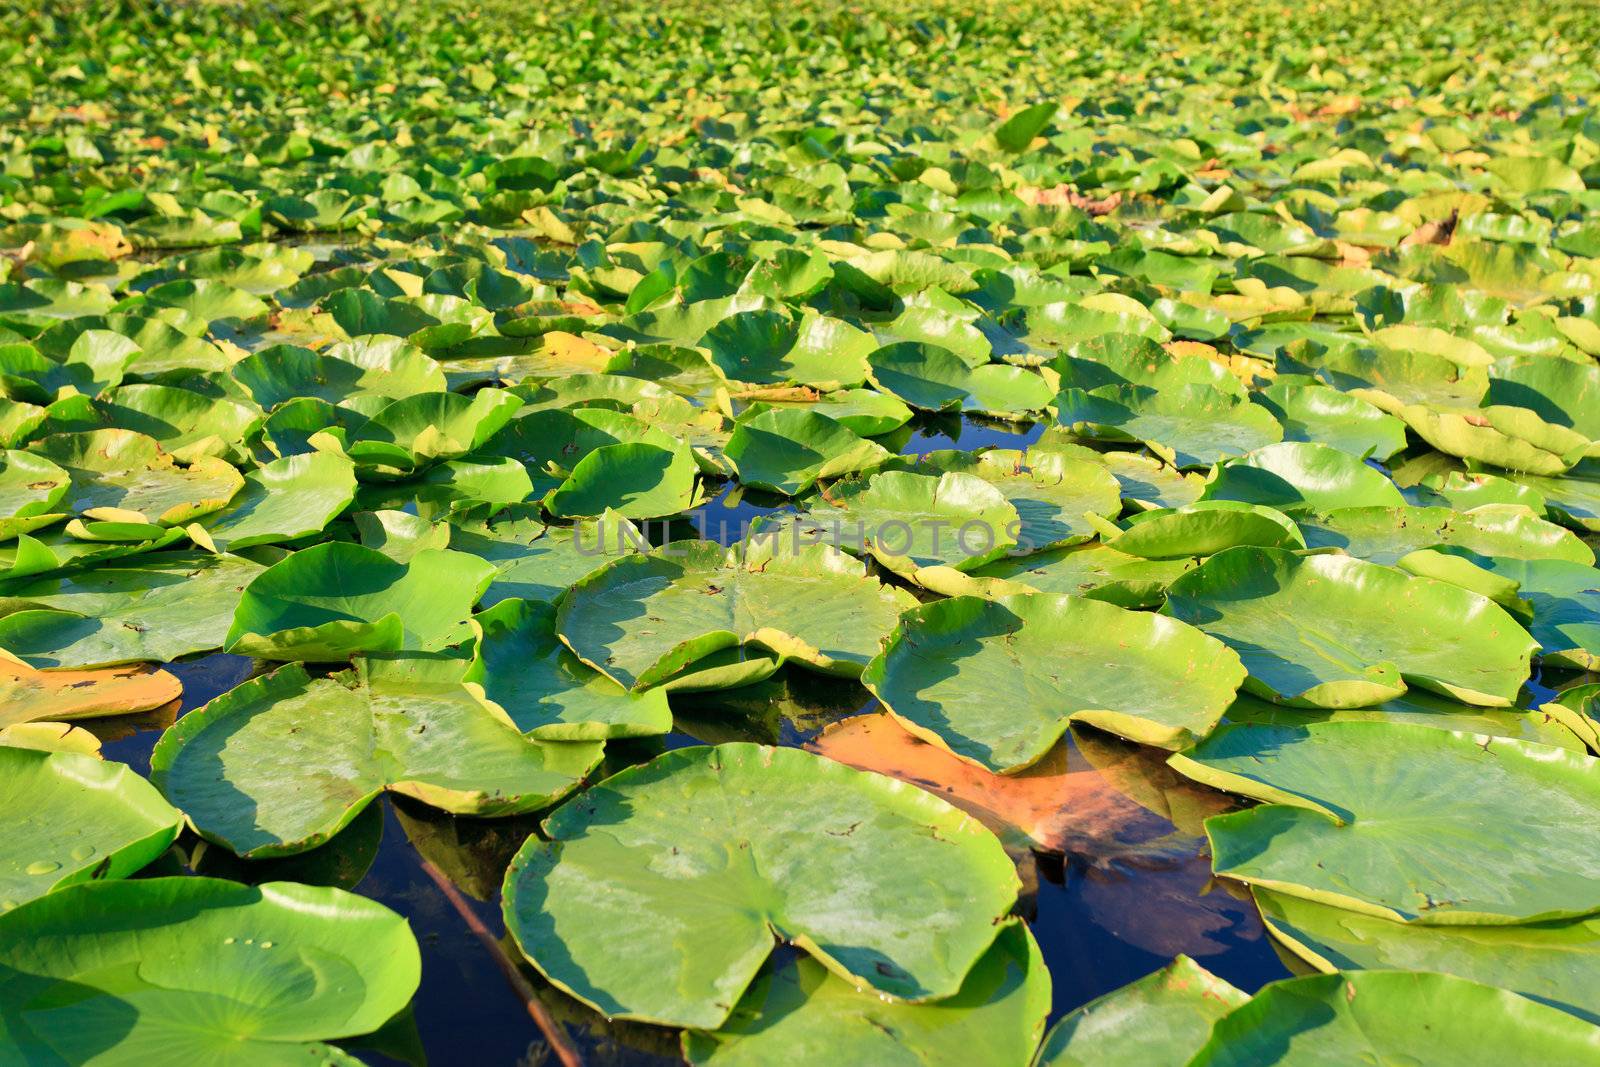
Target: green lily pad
{"points": [[150, 608], [283, 762], [1406, 822], [545, 690], [800, 1012], [375, 367], [768, 347], [1578, 709], [787, 450], [908, 520], [1189, 426], [185, 423], [1313, 412], [1062, 660], [1052, 491], [1095, 571], [745, 845], [1393, 1017], [645, 618], [30, 488], [1201, 529], [1418, 707], [1301, 476], [284, 500], [1564, 392], [533, 561], [1565, 600], [410, 433], [69, 818], [1552, 962], [866, 412], [198, 970], [122, 476], [1386, 535], [1337, 632], [1162, 1018], [330, 601], [935, 379]]}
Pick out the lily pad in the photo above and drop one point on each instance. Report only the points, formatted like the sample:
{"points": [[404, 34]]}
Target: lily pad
{"points": [[801, 1013], [30, 488], [1393, 1017], [1406, 822], [1052, 491], [122, 476], [1553, 962], [1387, 535], [1203, 528], [1190, 426], [1337, 632], [909, 520], [29, 695], [936, 379], [1095, 571], [1314, 412], [1063, 660], [770, 347], [545, 690], [282, 763], [151, 608], [198, 970], [645, 618], [787, 450], [69, 818], [1162, 1018], [533, 561], [1300, 476], [284, 500], [744, 845], [328, 602]]}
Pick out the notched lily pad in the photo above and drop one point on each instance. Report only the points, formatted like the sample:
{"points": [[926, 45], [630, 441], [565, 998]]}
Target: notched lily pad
{"points": [[1062, 659], [721, 851]]}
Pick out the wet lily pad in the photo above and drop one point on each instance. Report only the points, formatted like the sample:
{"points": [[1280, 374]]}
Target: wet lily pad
{"points": [[69, 818], [200, 970], [798, 848]]}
